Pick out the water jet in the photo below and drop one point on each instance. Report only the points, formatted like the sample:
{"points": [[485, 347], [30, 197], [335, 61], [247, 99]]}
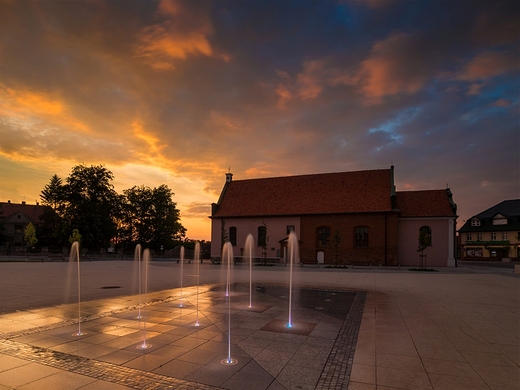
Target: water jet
{"points": [[146, 260], [227, 254], [74, 254]]}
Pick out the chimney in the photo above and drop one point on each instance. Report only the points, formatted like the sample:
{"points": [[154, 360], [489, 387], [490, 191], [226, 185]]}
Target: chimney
{"points": [[23, 201], [229, 177], [8, 201]]}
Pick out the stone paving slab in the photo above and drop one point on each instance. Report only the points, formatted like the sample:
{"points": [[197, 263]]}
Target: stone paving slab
{"points": [[453, 329], [178, 348]]}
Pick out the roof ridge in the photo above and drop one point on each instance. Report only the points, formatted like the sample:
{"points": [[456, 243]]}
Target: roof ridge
{"points": [[312, 174], [430, 190]]}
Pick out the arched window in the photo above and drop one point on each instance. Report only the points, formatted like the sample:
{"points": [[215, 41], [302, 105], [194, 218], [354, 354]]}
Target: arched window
{"points": [[233, 235], [361, 237], [262, 236], [322, 236], [425, 235]]}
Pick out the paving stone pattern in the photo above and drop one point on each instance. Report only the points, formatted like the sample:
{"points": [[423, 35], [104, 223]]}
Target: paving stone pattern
{"points": [[266, 360], [125, 376]]}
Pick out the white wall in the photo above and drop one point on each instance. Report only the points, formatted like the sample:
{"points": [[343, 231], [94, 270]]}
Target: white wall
{"points": [[437, 255]]}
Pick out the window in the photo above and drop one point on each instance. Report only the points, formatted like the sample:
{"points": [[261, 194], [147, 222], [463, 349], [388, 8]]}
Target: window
{"points": [[504, 236], [479, 236], [475, 222], [262, 236], [468, 236], [233, 235], [290, 228], [425, 235], [499, 219], [493, 236], [322, 236], [361, 237], [18, 229], [474, 252]]}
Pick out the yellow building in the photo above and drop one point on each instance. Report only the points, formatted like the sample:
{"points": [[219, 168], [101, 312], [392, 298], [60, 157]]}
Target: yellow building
{"points": [[494, 234]]}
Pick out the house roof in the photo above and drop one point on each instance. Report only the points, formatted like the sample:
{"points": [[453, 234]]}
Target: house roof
{"points": [[508, 208], [325, 193], [32, 212], [427, 203]]}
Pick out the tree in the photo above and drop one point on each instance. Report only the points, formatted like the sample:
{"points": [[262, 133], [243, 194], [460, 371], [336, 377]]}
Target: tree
{"points": [[90, 203], [52, 230], [151, 217], [263, 240], [30, 235], [424, 242], [52, 193], [76, 236]]}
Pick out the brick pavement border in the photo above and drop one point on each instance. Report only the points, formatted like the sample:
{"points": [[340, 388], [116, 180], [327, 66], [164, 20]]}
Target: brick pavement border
{"points": [[336, 373]]}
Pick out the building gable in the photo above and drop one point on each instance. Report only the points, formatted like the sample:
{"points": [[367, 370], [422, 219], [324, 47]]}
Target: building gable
{"points": [[499, 219]]}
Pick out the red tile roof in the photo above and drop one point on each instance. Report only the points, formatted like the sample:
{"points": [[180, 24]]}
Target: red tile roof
{"points": [[31, 211], [341, 192], [428, 203]]}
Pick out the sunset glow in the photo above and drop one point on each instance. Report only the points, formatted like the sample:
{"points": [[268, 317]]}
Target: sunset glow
{"points": [[179, 92]]}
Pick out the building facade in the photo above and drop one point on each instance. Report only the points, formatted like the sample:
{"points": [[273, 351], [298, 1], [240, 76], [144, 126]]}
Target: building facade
{"points": [[493, 234], [340, 218], [14, 218]]}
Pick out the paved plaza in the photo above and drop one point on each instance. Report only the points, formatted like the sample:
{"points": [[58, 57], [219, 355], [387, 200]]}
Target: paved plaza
{"points": [[361, 328]]}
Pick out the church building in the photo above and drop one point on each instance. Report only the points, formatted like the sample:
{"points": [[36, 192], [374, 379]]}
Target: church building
{"points": [[340, 218]]}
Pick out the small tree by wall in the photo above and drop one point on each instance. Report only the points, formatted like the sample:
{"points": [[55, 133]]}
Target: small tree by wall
{"points": [[30, 235], [263, 240], [424, 242]]}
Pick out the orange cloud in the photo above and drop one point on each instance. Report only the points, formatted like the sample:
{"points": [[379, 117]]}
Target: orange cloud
{"points": [[488, 64], [35, 106], [261, 170], [309, 82], [307, 86], [28, 101], [227, 123], [151, 140], [184, 33], [389, 71], [501, 103], [169, 7]]}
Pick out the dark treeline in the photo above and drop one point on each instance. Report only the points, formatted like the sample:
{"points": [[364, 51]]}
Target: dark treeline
{"points": [[87, 206]]}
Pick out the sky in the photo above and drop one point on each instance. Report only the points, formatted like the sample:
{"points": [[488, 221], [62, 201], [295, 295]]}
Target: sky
{"points": [[181, 92]]}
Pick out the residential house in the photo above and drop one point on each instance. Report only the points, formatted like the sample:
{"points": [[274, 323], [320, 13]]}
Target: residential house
{"points": [[14, 218], [339, 218], [493, 234]]}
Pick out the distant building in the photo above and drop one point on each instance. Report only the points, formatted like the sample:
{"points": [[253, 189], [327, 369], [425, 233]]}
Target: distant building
{"points": [[493, 234], [343, 218], [14, 218]]}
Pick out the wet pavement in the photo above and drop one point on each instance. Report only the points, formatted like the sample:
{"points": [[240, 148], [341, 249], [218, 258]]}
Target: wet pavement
{"points": [[224, 344], [358, 329]]}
